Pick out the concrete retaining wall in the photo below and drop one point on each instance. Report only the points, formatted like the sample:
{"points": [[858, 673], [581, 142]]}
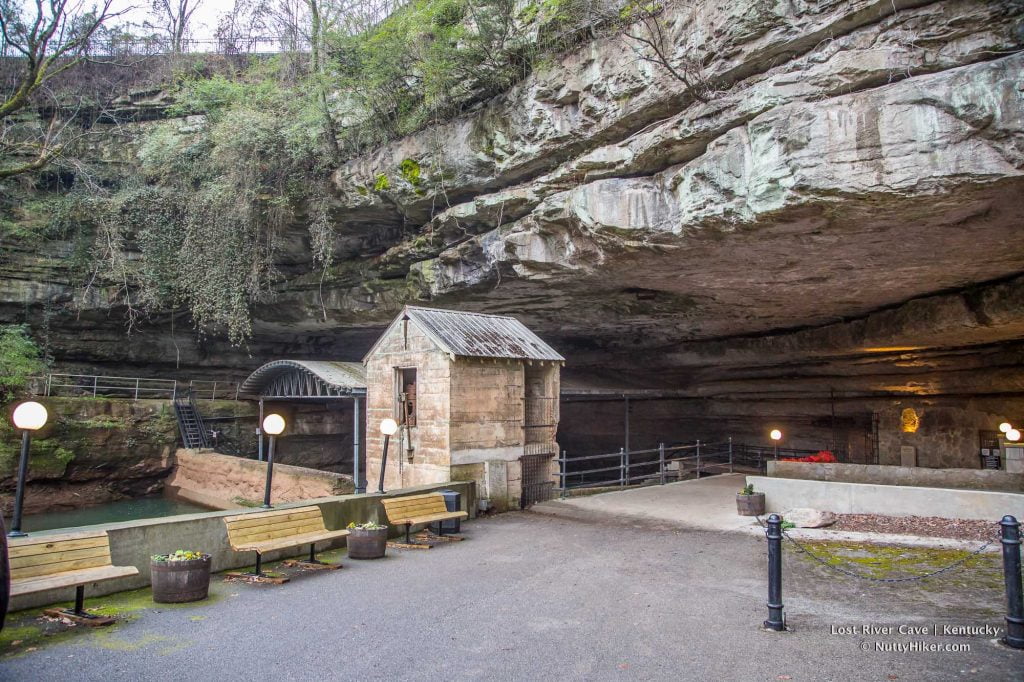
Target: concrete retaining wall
{"points": [[227, 482], [893, 500], [132, 543], [970, 479]]}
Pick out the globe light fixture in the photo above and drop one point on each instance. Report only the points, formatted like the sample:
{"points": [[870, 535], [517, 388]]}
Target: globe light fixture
{"points": [[776, 436], [1005, 427], [273, 426], [29, 416], [1013, 435], [388, 427]]}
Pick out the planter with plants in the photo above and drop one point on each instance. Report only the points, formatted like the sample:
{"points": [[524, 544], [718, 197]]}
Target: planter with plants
{"points": [[748, 502], [367, 540], [180, 577]]}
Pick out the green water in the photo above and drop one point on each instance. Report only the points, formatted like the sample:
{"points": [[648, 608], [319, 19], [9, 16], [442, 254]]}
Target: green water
{"points": [[125, 510]]}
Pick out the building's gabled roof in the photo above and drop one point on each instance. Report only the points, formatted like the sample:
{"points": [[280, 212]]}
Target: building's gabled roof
{"points": [[475, 335], [306, 379]]}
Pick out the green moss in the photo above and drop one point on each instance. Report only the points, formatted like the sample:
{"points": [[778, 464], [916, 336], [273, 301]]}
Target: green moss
{"points": [[410, 170], [895, 561], [381, 183], [245, 502], [362, 190]]}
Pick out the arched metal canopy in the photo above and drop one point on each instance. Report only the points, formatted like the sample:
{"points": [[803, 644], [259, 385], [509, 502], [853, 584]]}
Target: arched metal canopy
{"points": [[315, 379]]}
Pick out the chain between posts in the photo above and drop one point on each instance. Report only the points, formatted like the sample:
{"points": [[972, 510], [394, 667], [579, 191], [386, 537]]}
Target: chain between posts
{"points": [[853, 574]]}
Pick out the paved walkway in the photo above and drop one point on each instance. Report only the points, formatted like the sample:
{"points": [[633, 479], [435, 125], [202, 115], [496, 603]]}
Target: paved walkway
{"points": [[707, 504], [535, 597], [710, 504]]}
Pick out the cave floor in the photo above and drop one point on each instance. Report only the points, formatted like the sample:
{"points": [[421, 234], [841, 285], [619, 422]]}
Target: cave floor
{"points": [[536, 597]]}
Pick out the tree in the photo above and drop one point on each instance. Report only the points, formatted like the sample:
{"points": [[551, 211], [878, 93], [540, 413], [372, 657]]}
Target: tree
{"points": [[19, 361], [51, 39], [176, 16], [647, 30]]}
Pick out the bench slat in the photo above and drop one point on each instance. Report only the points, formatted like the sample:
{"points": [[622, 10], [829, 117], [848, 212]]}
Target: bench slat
{"points": [[289, 541], [275, 532], [101, 554], [431, 518], [70, 579], [49, 544], [272, 513], [270, 519]]}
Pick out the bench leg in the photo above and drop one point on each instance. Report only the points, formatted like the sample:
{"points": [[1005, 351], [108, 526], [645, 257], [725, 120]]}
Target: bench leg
{"points": [[312, 562], [257, 575], [408, 544], [79, 614]]}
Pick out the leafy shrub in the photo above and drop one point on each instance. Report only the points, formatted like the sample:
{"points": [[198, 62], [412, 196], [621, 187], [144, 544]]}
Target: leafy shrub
{"points": [[19, 361]]}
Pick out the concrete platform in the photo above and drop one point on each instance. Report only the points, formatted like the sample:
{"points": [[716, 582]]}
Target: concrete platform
{"points": [[703, 504]]}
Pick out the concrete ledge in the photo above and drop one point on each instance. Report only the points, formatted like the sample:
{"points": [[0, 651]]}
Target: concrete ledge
{"points": [[132, 543], [892, 500], [920, 477]]}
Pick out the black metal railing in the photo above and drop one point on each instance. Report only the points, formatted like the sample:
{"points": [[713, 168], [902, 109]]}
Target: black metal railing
{"points": [[667, 463]]}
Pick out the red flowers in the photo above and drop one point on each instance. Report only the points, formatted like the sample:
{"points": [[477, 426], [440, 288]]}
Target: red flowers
{"points": [[822, 456]]}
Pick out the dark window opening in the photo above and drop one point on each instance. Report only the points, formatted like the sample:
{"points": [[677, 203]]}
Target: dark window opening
{"points": [[407, 396]]}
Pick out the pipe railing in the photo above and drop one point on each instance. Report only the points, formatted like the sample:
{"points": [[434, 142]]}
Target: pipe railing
{"points": [[633, 467], [135, 388]]}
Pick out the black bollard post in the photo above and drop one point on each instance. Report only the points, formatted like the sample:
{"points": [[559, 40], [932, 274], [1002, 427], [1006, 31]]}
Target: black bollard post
{"points": [[1011, 575], [776, 621]]}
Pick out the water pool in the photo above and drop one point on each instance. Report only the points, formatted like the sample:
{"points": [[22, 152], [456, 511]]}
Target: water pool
{"points": [[124, 510]]}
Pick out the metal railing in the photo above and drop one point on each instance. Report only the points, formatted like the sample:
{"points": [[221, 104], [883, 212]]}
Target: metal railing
{"points": [[632, 467], [664, 463], [135, 388]]}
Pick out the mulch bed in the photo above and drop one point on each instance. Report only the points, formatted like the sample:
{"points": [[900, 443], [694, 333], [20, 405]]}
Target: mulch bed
{"points": [[924, 526]]}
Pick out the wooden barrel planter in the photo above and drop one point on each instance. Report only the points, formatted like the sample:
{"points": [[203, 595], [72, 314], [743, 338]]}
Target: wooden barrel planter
{"points": [[750, 505], [367, 544], [176, 582]]}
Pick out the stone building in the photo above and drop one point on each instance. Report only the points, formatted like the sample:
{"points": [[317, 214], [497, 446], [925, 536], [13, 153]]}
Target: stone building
{"points": [[476, 398]]}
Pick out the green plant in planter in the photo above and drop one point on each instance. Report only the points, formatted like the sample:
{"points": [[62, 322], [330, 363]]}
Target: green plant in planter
{"points": [[748, 489], [180, 555], [369, 525]]}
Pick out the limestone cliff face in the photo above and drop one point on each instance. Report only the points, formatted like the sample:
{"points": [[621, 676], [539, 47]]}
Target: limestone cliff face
{"points": [[845, 197]]}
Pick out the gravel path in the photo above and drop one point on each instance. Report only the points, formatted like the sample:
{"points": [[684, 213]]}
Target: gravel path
{"points": [[924, 526]]}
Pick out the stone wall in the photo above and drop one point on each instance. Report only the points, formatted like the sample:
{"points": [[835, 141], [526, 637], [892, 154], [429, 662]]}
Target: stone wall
{"points": [[227, 482], [968, 479]]}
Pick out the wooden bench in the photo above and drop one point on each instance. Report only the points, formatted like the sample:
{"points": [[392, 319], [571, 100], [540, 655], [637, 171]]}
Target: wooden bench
{"points": [[47, 562], [280, 529], [414, 510]]}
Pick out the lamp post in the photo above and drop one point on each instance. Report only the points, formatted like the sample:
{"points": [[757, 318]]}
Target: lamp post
{"points": [[776, 436], [388, 427], [273, 425], [28, 417]]}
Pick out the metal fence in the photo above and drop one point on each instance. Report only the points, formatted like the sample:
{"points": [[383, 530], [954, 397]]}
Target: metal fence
{"points": [[666, 463], [135, 388]]}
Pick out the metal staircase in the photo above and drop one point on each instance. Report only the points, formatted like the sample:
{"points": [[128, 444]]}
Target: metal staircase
{"points": [[190, 422]]}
